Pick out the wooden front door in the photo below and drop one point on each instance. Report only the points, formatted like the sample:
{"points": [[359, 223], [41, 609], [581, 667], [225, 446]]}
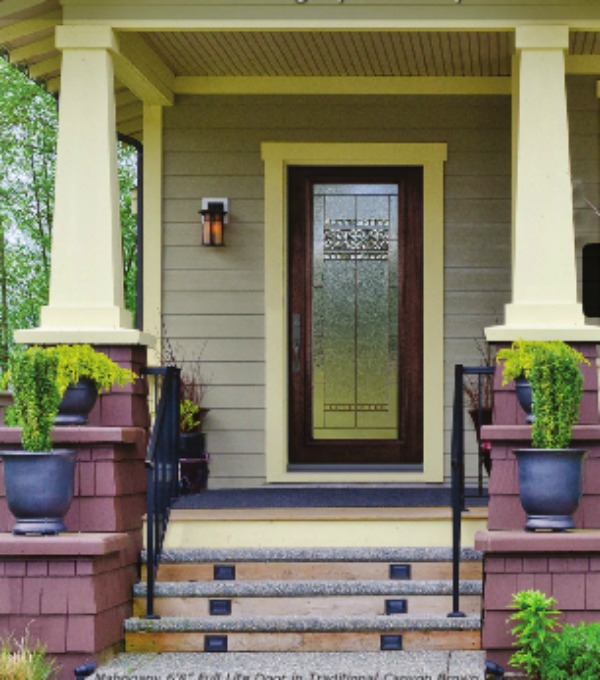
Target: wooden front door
{"points": [[355, 317]]}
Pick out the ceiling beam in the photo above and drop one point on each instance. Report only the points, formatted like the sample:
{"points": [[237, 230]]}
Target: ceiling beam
{"points": [[33, 49], [45, 67], [343, 85], [143, 72], [22, 29]]}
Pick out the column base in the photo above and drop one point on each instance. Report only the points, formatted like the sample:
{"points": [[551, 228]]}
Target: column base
{"points": [[92, 336]]}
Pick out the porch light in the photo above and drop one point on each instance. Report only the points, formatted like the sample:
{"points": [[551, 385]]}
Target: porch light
{"points": [[214, 217]]}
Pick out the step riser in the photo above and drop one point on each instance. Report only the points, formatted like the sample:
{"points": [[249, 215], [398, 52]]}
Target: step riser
{"points": [[305, 642], [321, 606], [305, 571]]}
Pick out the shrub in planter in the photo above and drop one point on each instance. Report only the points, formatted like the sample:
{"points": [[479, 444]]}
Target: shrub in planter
{"points": [[550, 473], [39, 480], [82, 373]]}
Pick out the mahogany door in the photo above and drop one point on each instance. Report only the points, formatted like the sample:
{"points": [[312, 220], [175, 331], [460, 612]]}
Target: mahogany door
{"points": [[355, 317]]}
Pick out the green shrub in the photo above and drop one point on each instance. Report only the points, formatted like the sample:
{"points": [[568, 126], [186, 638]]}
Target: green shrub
{"points": [[36, 397], [575, 654], [553, 369], [547, 650], [21, 660], [535, 623], [83, 361]]}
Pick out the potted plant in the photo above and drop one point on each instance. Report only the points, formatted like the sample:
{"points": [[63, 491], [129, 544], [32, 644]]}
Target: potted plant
{"points": [[550, 473], [480, 401], [193, 456], [39, 480], [82, 373]]}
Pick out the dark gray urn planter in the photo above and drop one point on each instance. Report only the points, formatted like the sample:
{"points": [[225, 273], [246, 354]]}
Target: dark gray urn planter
{"points": [[550, 486], [525, 398], [39, 489], [77, 402]]}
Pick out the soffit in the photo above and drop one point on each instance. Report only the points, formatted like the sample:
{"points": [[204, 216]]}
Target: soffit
{"points": [[335, 53]]}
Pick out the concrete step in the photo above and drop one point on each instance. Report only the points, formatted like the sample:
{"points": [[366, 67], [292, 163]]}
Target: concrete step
{"points": [[308, 600], [302, 633], [389, 665], [252, 598], [316, 563]]}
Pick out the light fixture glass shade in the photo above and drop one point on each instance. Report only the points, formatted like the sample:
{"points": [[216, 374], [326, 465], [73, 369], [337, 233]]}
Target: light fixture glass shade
{"points": [[213, 220]]}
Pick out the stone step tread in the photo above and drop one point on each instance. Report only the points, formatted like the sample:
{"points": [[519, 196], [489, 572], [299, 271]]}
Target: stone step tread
{"points": [[300, 623], [390, 554], [305, 588], [301, 665]]}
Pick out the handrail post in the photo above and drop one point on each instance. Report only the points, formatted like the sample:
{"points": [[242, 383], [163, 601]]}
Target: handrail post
{"points": [[457, 454], [162, 461]]}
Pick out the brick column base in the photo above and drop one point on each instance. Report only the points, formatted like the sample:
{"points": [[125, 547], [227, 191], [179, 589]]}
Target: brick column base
{"points": [[70, 592], [564, 565]]}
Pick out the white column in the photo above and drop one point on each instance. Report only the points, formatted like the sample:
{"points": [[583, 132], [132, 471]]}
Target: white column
{"points": [[86, 283], [544, 302]]}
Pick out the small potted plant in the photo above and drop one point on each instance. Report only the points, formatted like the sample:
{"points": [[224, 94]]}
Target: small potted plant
{"points": [[193, 456], [39, 480], [479, 393], [82, 373], [550, 473]]}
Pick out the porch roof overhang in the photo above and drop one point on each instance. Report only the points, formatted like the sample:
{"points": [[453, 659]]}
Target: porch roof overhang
{"points": [[281, 47]]}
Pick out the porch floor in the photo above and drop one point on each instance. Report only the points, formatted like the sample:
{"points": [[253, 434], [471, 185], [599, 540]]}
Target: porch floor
{"points": [[300, 666], [324, 497]]}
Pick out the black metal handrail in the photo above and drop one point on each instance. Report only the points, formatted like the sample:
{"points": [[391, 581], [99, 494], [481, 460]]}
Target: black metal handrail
{"points": [[162, 468], [458, 466]]}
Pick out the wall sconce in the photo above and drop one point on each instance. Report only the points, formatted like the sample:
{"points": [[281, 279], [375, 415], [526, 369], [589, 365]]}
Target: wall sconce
{"points": [[214, 218]]}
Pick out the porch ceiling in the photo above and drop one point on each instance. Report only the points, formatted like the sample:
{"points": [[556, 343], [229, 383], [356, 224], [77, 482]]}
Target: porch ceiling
{"points": [[27, 34]]}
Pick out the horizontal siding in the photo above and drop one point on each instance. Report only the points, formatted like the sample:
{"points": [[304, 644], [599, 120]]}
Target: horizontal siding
{"points": [[216, 296]]}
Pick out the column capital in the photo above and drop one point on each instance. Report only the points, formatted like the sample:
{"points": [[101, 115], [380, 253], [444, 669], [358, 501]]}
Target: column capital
{"points": [[542, 37], [86, 38]]}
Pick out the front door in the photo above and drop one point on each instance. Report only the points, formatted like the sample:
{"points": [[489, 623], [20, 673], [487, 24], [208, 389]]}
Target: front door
{"points": [[355, 317]]}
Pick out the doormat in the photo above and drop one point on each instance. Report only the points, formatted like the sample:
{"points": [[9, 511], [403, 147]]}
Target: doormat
{"points": [[320, 497]]}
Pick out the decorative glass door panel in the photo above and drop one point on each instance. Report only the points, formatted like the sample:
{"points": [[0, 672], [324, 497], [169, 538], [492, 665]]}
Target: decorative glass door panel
{"points": [[355, 316], [354, 311]]}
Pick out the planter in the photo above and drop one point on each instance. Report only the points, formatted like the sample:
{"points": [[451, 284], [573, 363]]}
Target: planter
{"points": [[39, 489], [192, 445], [77, 402], [193, 475], [525, 397], [550, 486]]}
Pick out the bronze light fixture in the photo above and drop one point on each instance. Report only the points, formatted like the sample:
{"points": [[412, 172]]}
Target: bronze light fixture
{"points": [[214, 217]]}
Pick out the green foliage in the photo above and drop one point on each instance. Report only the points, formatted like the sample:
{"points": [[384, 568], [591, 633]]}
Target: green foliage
{"points": [[22, 660], [33, 374], [28, 136], [82, 361], [548, 651], [535, 623], [553, 369], [575, 654], [189, 416]]}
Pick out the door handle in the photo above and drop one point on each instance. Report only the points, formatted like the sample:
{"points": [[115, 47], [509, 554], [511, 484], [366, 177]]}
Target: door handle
{"points": [[296, 342]]}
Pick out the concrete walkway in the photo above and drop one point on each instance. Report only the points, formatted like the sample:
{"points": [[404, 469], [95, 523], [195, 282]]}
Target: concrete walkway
{"points": [[297, 666]]}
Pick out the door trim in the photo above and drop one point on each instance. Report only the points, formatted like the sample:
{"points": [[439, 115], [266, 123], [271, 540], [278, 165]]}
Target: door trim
{"points": [[277, 157]]}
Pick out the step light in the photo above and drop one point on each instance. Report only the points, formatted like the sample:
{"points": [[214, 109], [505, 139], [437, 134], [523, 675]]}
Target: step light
{"points": [[396, 607], [215, 643], [400, 572], [224, 572], [219, 607], [391, 643]]}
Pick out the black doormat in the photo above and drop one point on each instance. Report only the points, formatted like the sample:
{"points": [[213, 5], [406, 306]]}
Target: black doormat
{"points": [[320, 497]]}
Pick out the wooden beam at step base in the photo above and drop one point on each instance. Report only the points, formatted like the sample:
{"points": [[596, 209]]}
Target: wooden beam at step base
{"points": [[420, 640]]}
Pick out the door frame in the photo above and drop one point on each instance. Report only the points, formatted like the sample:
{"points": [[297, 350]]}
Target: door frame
{"points": [[277, 157]]}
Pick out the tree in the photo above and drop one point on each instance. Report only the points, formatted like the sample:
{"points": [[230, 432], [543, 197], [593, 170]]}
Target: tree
{"points": [[28, 134]]}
